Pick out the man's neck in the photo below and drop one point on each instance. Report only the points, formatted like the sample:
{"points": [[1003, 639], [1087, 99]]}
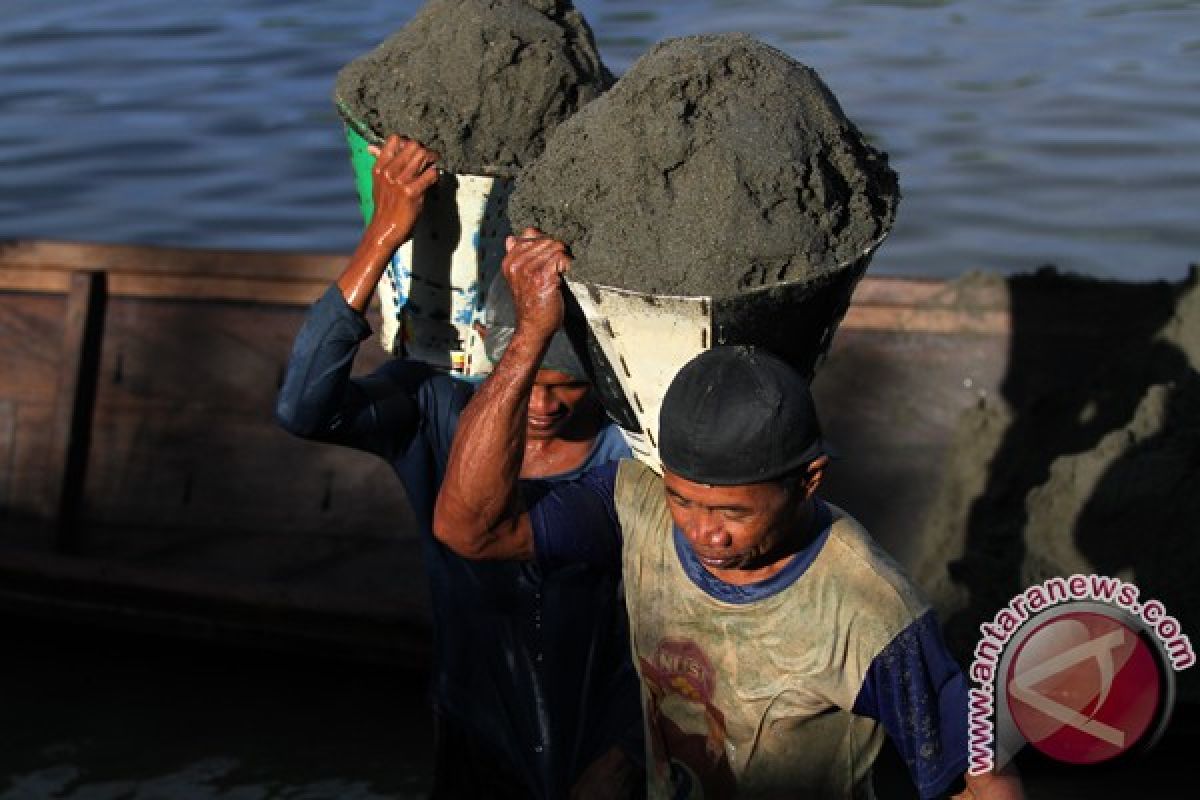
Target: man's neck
{"points": [[545, 458], [566, 451]]}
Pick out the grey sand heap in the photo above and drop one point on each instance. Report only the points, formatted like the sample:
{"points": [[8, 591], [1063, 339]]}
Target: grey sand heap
{"points": [[482, 82], [717, 164]]}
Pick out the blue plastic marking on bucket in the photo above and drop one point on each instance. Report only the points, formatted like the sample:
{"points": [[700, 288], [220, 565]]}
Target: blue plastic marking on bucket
{"points": [[396, 273]]}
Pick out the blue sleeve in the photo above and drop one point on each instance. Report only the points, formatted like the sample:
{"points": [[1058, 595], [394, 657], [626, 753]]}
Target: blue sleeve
{"points": [[915, 689], [575, 521], [319, 400]]}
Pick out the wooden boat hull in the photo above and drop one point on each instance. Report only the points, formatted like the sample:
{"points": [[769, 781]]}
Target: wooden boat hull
{"points": [[144, 483]]}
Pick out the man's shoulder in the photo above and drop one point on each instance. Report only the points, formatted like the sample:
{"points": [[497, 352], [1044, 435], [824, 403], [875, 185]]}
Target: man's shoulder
{"points": [[433, 387], [635, 479], [639, 499], [611, 445], [868, 576], [633, 469], [412, 398]]}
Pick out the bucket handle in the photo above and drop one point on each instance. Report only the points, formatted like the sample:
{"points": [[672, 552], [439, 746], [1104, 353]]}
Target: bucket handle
{"points": [[359, 127]]}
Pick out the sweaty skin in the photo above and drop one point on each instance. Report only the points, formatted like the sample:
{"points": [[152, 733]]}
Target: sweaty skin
{"points": [[561, 423], [477, 509], [403, 172]]}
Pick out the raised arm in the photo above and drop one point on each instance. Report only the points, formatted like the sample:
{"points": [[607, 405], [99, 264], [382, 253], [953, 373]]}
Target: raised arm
{"points": [[403, 172], [479, 512], [318, 400]]}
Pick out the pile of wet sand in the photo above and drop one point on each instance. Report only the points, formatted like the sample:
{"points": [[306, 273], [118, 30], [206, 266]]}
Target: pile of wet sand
{"points": [[1097, 473], [482, 82], [715, 165]]}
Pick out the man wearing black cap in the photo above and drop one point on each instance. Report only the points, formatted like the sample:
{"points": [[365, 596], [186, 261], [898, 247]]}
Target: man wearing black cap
{"points": [[534, 692], [776, 643]]}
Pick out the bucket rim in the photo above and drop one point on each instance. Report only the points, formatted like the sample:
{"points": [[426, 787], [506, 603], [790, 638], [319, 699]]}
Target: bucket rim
{"points": [[363, 130], [368, 135], [866, 252]]}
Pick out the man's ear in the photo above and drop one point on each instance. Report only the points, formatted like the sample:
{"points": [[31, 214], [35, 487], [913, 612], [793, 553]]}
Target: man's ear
{"points": [[814, 473]]}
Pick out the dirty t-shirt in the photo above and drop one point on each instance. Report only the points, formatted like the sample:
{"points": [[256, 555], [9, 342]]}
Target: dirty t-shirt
{"points": [[784, 688]]}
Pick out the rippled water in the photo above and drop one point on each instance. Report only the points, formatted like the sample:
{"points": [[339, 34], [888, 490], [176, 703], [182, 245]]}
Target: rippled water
{"points": [[1024, 132]]}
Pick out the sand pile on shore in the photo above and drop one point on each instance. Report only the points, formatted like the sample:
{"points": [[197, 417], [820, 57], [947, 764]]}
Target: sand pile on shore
{"points": [[716, 164], [1101, 475], [483, 82]]}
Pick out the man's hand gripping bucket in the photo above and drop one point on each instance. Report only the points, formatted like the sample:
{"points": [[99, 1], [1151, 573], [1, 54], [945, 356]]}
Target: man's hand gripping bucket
{"points": [[432, 292]]}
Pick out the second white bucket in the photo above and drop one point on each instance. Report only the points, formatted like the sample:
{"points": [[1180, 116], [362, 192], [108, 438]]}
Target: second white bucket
{"points": [[432, 292]]}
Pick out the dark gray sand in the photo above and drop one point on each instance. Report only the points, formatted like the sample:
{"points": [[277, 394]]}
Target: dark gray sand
{"points": [[716, 164], [480, 81], [1099, 474]]}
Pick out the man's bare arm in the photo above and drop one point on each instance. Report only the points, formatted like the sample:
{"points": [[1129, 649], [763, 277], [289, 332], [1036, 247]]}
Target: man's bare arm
{"points": [[479, 513], [403, 172], [319, 399]]}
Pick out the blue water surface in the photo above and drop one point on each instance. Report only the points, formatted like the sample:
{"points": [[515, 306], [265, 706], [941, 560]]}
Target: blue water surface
{"points": [[1024, 131]]}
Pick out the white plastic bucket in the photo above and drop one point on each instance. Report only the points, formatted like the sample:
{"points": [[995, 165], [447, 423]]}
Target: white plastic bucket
{"points": [[636, 343], [432, 291]]}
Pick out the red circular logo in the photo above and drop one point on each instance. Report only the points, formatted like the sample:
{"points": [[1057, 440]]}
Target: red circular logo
{"points": [[1083, 687]]}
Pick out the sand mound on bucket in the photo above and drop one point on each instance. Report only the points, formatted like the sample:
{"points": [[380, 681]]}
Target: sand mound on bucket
{"points": [[481, 81], [716, 164]]}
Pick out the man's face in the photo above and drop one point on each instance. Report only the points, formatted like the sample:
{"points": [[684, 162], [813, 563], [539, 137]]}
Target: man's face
{"points": [[557, 405], [741, 527]]}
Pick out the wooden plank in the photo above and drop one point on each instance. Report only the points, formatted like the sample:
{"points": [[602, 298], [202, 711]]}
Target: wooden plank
{"points": [[31, 478], [191, 287], [30, 344], [896, 291], [76, 397], [983, 293], [267, 291], [147, 260], [299, 278], [45, 281], [173, 469], [211, 360], [890, 403], [148, 270], [880, 298], [921, 320], [8, 435]]}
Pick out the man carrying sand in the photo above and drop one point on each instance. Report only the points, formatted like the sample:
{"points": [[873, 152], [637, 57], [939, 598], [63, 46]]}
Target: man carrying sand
{"points": [[534, 693], [776, 643]]}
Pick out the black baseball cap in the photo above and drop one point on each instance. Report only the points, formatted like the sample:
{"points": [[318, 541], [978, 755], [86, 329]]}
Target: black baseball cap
{"points": [[735, 415]]}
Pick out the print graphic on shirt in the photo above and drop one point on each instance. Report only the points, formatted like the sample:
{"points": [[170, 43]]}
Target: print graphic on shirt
{"points": [[686, 730]]}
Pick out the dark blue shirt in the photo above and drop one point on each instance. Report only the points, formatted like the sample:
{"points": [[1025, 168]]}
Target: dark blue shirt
{"points": [[533, 659]]}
